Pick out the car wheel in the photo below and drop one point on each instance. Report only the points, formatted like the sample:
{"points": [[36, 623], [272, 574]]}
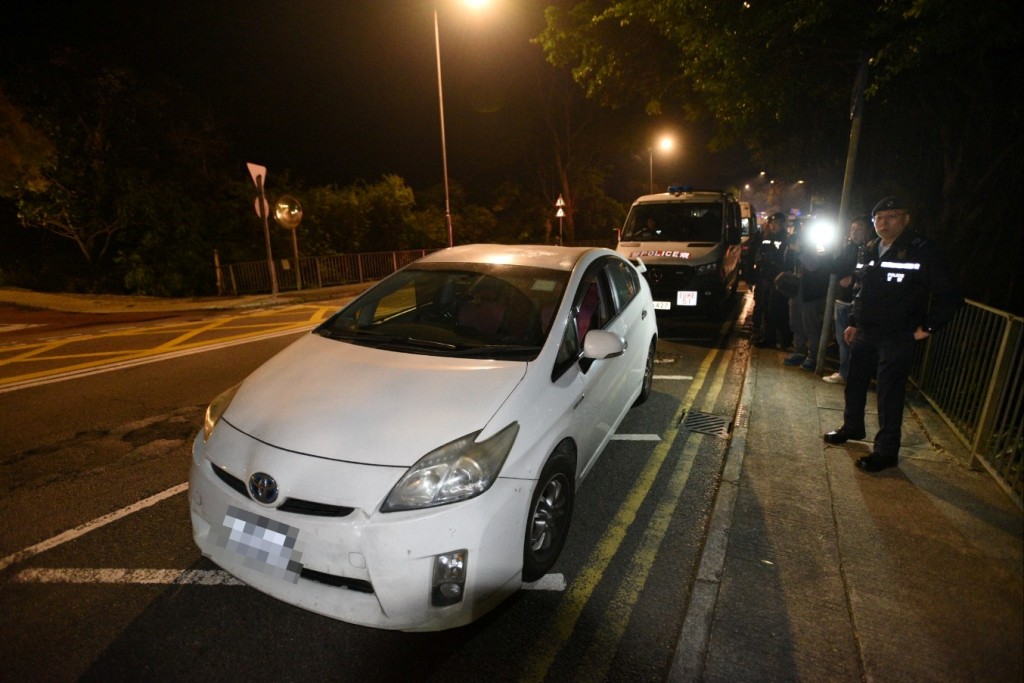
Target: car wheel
{"points": [[648, 380], [550, 514]]}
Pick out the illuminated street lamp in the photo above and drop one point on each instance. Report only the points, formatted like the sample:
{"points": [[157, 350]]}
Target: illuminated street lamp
{"points": [[474, 4], [664, 144]]}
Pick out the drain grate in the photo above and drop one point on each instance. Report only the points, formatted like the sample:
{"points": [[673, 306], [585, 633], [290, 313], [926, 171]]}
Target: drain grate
{"points": [[706, 423]]}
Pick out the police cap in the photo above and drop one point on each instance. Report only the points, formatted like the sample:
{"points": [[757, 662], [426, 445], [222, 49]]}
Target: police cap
{"points": [[889, 204]]}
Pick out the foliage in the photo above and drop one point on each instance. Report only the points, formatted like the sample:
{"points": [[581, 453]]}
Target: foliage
{"points": [[942, 121], [24, 150]]}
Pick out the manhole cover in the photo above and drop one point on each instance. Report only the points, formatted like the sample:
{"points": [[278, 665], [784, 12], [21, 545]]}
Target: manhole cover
{"points": [[706, 423]]}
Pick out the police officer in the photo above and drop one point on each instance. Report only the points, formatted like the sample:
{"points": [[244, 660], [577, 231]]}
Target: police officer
{"points": [[904, 292], [771, 309]]}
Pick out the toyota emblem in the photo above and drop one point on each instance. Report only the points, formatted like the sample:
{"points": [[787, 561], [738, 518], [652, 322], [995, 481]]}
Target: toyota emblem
{"points": [[263, 488]]}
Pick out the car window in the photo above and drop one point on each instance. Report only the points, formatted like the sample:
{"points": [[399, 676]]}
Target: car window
{"points": [[482, 310], [592, 309], [624, 282], [675, 222]]}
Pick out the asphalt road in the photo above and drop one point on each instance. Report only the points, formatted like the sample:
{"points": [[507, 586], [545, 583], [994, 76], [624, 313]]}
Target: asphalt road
{"points": [[99, 578]]}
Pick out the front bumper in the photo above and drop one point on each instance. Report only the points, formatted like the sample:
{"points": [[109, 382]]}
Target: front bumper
{"points": [[365, 567]]}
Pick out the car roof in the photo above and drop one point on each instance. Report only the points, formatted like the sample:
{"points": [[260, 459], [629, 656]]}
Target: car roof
{"points": [[532, 255]]}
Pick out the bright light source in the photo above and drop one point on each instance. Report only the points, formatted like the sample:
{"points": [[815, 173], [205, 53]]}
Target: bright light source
{"points": [[822, 234], [665, 143]]}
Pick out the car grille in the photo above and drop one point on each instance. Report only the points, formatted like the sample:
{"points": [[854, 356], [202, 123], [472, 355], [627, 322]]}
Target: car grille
{"points": [[669, 278], [295, 505]]}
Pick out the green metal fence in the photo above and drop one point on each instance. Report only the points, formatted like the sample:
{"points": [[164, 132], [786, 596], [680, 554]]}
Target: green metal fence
{"points": [[314, 272], [972, 373]]}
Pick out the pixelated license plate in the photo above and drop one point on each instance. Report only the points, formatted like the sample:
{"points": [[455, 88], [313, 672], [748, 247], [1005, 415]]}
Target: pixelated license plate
{"points": [[260, 543]]}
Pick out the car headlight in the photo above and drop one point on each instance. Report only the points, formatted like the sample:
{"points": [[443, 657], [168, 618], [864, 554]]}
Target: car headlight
{"points": [[708, 268], [456, 471], [216, 409]]}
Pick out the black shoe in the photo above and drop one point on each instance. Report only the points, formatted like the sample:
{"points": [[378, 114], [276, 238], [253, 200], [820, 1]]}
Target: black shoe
{"points": [[876, 462], [842, 435]]}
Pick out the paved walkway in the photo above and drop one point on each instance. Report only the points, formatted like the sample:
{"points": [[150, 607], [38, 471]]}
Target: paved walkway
{"points": [[817, 571]]}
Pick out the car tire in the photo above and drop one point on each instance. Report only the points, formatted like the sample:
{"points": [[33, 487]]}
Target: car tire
{"points": [[549, 517], [648, 380]]}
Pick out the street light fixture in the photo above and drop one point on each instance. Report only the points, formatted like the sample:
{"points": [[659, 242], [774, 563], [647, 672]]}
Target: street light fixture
{"points": [[665, 144], [473, 4]]}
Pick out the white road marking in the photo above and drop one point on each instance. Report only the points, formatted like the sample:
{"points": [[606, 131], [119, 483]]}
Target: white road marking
{"points": [[635, 437], [83, 529], [675, 377], [548, 582], [196, 577]]}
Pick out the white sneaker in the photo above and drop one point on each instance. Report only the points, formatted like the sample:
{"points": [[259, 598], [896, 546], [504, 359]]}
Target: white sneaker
{"points": [[834, 378]]}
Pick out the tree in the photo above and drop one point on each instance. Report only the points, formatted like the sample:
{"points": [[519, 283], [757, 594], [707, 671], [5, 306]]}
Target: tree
{"points": [[25, 152], [944, 96], [132, 175]]}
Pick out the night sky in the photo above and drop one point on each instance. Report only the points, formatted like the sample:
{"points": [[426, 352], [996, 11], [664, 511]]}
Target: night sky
{"points": [[339, 90]]}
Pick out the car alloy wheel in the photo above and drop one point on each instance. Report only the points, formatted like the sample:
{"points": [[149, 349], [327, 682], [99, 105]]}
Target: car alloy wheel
{"points": [[550, 516], [648, 380]]}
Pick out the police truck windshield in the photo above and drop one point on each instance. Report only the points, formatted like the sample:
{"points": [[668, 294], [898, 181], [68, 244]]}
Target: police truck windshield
{"points": [[674, 222]]}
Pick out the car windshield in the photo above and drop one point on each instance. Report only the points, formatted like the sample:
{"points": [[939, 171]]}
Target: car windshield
{"points": [[466, 310], [674, 222]]}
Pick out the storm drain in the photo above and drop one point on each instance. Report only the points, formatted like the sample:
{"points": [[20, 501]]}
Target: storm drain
{"points": [[706, 423]]}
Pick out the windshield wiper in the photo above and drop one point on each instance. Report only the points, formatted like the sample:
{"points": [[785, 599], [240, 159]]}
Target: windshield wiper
{"points": [[377, 340]]}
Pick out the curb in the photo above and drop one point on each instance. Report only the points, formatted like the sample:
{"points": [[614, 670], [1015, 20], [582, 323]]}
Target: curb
{"points": [[692, 646]]}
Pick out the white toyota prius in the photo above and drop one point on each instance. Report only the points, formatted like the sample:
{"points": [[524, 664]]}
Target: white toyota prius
{"points": [[414, 459]]}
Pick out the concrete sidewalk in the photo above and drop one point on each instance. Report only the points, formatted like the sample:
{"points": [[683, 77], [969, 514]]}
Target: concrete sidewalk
{"points": [[817, 571]]}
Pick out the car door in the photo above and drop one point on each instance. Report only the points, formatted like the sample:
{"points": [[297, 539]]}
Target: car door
{"points": [[602, 382]]}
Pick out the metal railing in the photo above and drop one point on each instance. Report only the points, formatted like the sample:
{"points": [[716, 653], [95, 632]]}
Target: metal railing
{"points": [[314, 271], [972, 373]]}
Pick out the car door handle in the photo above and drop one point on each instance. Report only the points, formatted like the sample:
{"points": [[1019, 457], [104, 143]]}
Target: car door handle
{"points": [[643, 314], [578, 401]]}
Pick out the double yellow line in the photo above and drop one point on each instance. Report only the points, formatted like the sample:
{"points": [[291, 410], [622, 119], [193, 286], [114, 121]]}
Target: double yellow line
{"points": [[616, 618]]}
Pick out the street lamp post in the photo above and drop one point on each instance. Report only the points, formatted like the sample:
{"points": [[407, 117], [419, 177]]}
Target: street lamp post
{"points": [[665, 143], [444, 149]]}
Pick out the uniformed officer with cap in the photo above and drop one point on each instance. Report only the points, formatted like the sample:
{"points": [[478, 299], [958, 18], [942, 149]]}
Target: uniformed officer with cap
{"points": [[904, 292]]}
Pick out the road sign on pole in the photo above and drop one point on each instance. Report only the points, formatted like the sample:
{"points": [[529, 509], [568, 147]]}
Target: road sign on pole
{"points": [[259, 176]]}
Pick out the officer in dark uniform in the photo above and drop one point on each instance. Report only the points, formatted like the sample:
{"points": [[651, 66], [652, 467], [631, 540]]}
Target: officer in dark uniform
{"points": [[904, 292], [771, 309]]}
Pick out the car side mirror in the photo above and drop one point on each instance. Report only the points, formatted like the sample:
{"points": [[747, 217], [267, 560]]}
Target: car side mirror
{"points": [[600, 344]]}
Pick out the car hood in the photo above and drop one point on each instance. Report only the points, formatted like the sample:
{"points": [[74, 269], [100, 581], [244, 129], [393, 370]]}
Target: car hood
{"points": [[341, 401]]}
